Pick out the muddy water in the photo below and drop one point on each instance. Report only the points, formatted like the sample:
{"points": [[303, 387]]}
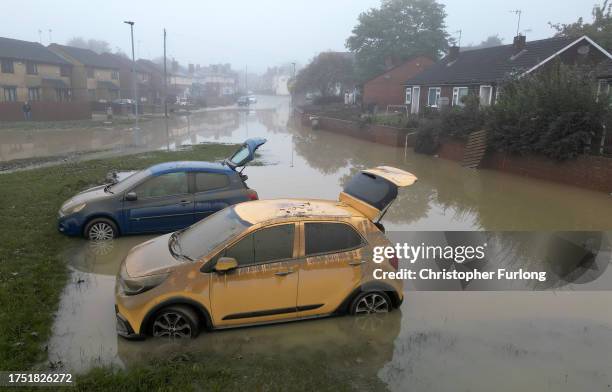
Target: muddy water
{"points": [[438, 341]]}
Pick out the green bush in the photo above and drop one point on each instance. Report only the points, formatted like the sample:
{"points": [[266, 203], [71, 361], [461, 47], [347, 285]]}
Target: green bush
{"points": [[427, 138], [459, 122], [555, 113]]}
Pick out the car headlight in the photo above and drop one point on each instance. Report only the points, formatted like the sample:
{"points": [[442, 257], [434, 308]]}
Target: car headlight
{"points": [[73, 209], [133, 286]]}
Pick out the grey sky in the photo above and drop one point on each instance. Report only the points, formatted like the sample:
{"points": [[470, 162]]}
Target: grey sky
{"points": [[259, 33]]}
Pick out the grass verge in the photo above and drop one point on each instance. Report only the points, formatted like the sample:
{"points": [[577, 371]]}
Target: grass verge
{"points": [[32, 274]]}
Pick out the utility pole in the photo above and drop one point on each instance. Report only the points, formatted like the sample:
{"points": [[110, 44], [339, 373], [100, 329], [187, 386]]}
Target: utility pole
{"points": [[518, 25], [246, 79], [134, 81], [165, 81], [166, 96], [50, 39], [40, 36], [460, 33]]}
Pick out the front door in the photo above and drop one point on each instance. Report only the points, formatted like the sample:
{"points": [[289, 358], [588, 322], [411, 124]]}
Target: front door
{"points": [[332, 268], [416, 99], [163, 204], [264, 286]]}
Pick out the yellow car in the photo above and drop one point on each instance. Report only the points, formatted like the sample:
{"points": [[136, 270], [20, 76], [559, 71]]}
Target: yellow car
{"points": [[264, 261]]}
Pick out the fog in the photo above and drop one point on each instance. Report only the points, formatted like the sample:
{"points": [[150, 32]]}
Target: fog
{"points": [[257, 33]]}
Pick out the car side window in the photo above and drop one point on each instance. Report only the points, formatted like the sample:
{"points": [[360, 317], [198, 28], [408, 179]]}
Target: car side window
{"points": [[324, 237], [164, 185], [265, 245], [274, 243], [210, 181]]}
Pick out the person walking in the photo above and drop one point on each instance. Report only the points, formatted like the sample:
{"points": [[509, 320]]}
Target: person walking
{"points": [[27, 111]]}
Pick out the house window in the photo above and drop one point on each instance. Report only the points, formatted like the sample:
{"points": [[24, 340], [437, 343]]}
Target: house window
{"points": [[605, 89], [10, 94], [458, 94], [31, 68], [7, 66], [408, 95], [64, 71], [114, 75], [34, 94], [90, 73], [486, 95], [62, 94], [433, 96]]}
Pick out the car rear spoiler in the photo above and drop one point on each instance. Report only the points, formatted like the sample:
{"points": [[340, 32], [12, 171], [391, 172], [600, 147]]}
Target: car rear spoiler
{"points": [[372, 191]]}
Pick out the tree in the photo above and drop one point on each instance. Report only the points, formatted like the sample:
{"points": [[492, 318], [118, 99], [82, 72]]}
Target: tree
{"points": [[98, 46], [396, 31], [600, 29], [491, 41], [327, 73]]}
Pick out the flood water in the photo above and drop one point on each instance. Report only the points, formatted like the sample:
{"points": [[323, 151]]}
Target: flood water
{"points": [[479, 341]]}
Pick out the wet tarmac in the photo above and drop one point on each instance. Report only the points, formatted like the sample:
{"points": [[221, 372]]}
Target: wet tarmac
{"points": [[479, 341]]}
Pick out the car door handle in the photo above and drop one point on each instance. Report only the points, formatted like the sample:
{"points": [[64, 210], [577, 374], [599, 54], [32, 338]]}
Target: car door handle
{"points": [[284, 273], [356, 263], [183, 202]]}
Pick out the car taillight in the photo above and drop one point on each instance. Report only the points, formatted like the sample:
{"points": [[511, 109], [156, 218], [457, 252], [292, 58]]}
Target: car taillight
{"points": [[394, 262], [252, 195]]}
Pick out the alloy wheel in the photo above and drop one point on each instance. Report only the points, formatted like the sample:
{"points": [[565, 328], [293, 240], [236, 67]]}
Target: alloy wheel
{"points": [[171, 325], [101, 231], [372, 303]]}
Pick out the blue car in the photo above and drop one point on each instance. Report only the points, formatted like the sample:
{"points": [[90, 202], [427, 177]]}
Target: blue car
{"points": [[163, 198]]}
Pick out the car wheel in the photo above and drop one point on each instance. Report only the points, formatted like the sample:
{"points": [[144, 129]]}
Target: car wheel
{"points": [[177, 322], [101, 229], [371, 302]]}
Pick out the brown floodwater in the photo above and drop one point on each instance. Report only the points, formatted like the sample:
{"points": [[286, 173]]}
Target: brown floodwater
{"points": [[479, 341]]}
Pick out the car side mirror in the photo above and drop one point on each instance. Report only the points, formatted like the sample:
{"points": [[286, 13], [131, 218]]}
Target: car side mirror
{"points": [[225, 264], [131, 196]]}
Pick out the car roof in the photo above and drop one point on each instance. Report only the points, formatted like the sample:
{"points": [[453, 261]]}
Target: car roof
{"points": [[265, 210], [189, 166]]}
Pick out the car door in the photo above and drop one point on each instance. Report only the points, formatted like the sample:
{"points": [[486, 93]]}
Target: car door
{"points": [[163, 203], [332, 266], [264, 286], [212, 192]]}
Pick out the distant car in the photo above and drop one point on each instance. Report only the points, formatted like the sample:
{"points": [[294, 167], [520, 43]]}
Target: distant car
{"points": [[252, 99], [163, 198], [265, 261], [182, 102], [243, 101], [123, 101]]}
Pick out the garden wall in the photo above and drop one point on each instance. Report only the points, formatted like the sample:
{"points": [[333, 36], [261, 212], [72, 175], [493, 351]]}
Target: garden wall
{"points": [[586, 171], [382, 134], [46, 111]]}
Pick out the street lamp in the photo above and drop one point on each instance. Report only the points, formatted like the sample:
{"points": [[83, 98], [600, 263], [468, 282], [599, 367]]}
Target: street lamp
{"points": [[135, 84]]}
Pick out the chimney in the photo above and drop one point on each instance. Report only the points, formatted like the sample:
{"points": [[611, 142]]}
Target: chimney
{"points": [[519, 43], [453, 53]]}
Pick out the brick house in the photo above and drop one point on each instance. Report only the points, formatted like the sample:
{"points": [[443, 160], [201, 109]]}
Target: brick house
{"points": [[479, 72], [94, 77], [156, 79], [146, 92], [31, 72], [388, 88]]}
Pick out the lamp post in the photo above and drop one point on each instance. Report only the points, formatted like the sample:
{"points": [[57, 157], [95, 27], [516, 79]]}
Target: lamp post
{"points": [[135, 83]]}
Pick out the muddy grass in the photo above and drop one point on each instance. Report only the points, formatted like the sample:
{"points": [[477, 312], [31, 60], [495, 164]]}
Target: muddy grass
{"points": [[32, 274], [69, 124]]}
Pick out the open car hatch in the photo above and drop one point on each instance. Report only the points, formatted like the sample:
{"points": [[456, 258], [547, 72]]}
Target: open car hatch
{"points": [[246, 152], [372, 191]]}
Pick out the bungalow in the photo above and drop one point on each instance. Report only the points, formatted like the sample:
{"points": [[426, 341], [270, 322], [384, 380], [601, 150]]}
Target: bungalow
{"points": [[94, 78], [387, 88], [480, 72]]}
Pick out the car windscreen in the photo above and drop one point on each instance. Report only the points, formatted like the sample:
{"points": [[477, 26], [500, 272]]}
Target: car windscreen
{"points": [[374, 190], [130, 181], [201, 238]]}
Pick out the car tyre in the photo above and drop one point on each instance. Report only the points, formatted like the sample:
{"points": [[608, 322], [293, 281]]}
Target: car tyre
{"points": [[369, 302], [101, 229], [176, 322]]}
